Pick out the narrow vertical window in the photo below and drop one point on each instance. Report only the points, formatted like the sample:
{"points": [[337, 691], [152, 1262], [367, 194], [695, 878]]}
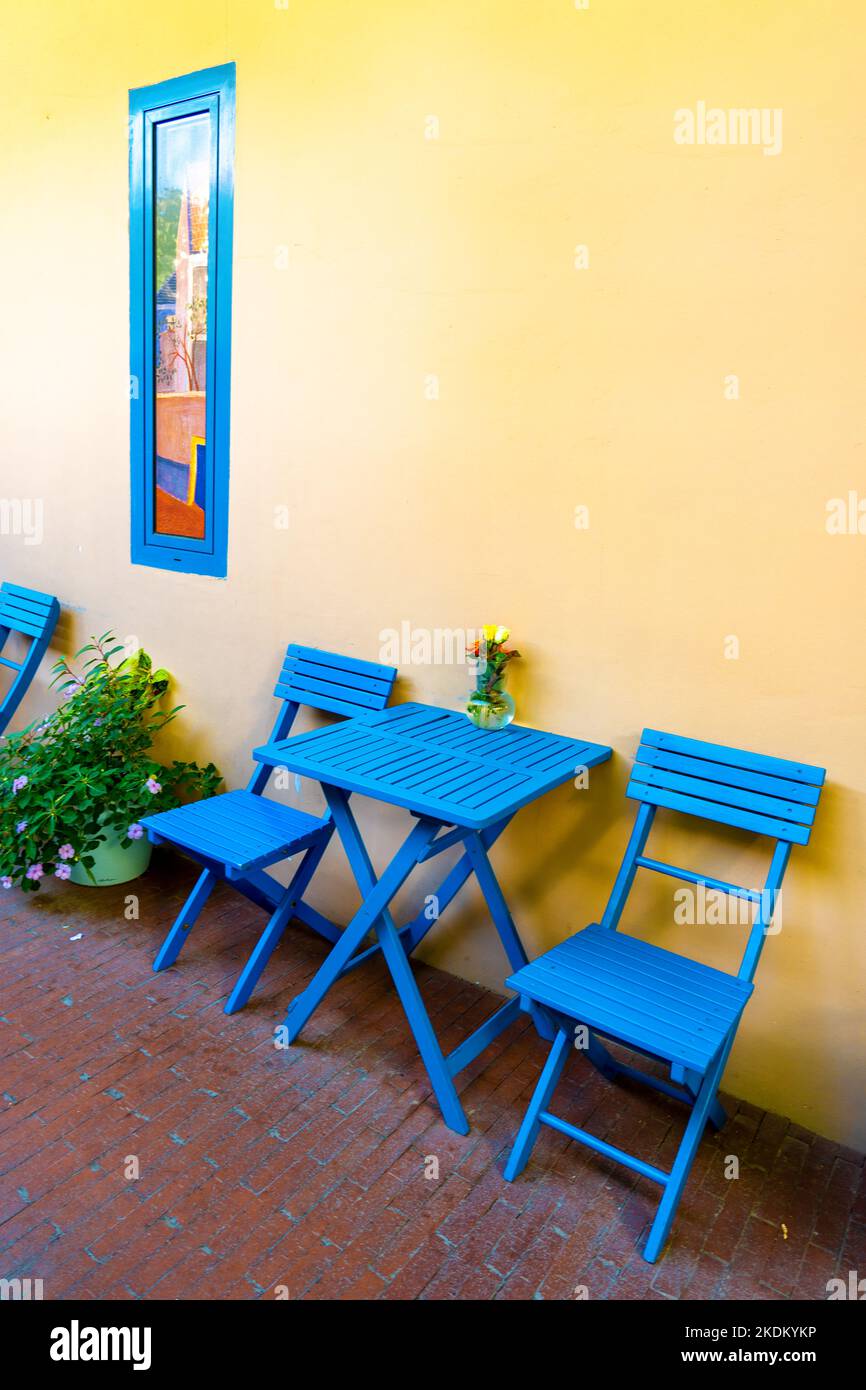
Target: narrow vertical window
{"points": [[181, 193]]}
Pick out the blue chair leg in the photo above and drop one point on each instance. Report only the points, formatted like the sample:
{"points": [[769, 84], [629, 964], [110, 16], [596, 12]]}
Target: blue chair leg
{"points": [[667, 1208], [601, 1058], [185, 920], [717, 1116], [249, 976], [547, 1082]]}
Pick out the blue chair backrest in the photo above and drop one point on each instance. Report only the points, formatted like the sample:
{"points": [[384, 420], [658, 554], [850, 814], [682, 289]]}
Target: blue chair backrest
{"points": [[327, 681], [34, 615], [771, 796], [768, 796], [334, 683], [27, 611]]}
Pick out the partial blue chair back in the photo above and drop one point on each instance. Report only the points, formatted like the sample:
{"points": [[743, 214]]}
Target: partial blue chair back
{"points": [[34, 615], [326, 681], [337, 684], [768, 796]]}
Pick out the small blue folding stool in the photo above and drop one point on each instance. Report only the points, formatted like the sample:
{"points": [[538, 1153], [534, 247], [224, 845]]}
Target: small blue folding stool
{"points": [[662, 1005], [33, 615], [235, 835]]}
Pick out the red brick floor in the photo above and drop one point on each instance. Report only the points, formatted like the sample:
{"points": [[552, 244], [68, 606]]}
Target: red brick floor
{"points": [[307, 1173]]}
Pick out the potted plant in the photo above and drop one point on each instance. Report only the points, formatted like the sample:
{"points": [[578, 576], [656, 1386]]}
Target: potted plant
{"points": [[74, 785], [490, 706]]}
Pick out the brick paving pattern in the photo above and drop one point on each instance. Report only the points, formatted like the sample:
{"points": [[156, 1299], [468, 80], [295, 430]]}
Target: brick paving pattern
{"points": [[309, 1172]]}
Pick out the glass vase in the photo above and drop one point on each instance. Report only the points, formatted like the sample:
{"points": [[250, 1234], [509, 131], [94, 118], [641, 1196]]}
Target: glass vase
{"points": [[490, 709]]}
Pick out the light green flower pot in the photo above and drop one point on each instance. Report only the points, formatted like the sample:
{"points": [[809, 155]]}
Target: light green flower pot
{"points": [[113, 864]]}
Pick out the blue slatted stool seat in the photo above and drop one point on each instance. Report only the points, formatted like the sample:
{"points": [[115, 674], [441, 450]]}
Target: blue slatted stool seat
{"points": [[241, 830], [653, 999]]}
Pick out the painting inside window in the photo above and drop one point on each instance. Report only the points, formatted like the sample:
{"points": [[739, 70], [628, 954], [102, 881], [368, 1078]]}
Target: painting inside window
{"points": [[181, 212]]}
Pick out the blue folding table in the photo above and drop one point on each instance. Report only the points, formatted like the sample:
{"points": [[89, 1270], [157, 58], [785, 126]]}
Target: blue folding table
{"points": [[463, 785]]}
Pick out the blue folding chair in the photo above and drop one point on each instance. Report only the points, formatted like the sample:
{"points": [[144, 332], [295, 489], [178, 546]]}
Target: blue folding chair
{"points": [[235, 835], [34, 615], [662, 1005]]}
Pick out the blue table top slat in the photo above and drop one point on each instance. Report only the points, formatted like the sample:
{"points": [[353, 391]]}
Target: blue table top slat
{"points": [[435, 762]]}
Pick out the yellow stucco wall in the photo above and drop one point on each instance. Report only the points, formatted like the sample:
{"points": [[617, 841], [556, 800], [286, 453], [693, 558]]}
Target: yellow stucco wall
{"points": [[368, 260]]}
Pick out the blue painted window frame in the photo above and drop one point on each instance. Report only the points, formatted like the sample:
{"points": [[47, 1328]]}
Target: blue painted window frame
{"points": [[211, 90]]}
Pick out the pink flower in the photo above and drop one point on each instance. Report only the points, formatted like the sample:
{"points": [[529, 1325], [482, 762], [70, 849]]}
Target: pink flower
{"points": [[153, 786], [35, 872], [21, 827], [135, 831], [62, 871], [5, 881], [19, 784], [66, 852]]}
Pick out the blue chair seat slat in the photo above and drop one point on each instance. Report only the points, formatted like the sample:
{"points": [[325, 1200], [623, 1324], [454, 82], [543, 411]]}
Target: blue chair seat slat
{"points": [[669, 1004], [245, 829], [245, 817], [237, 828], [724, 793], [686, 1048], [735, 757], [725, 815], [7, 661], [730, 776], [647, 965], [589, 979], [222, 845]]}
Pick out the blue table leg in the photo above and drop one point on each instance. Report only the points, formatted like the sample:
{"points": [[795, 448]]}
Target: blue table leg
{"points": [[394, 953], [304, 1005], [448, 889], [495, 899]]}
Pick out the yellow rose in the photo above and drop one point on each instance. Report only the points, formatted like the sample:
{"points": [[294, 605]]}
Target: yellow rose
{"points": [[490, 632]]}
